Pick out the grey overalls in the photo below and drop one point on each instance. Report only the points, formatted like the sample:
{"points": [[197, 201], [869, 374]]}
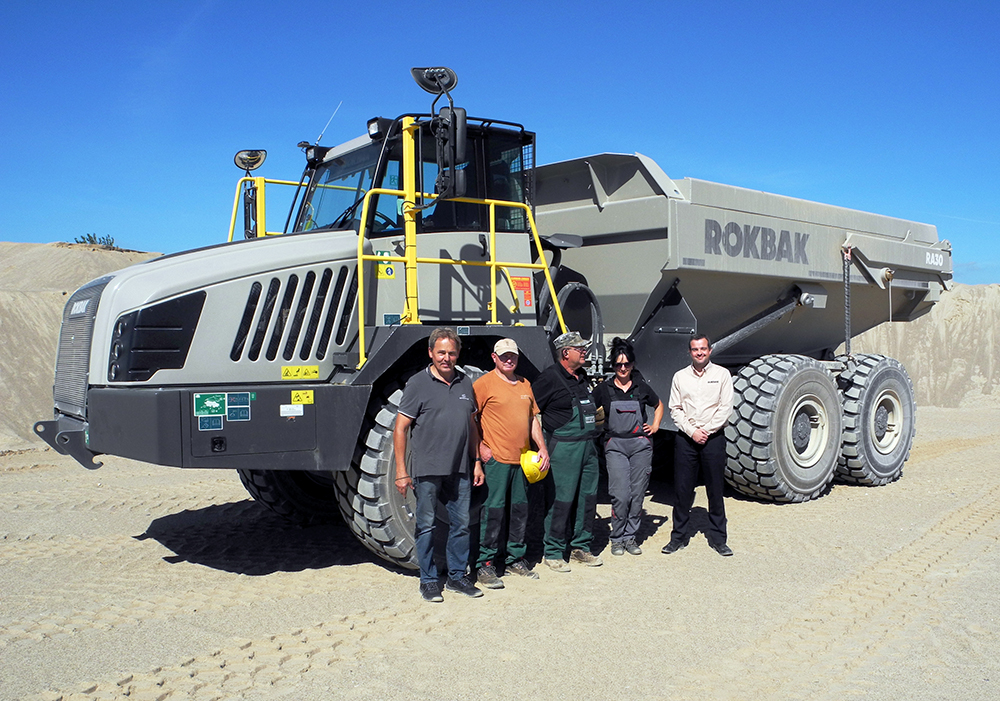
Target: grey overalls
{"points": [[628, 452]]}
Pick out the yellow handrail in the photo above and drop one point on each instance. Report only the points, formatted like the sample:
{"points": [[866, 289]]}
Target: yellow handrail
{"points": [[261, 207], [492, 263], [410, 260]]}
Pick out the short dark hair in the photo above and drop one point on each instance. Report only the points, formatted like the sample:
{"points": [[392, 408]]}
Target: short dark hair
{"points": [[698, 337], [444, 332]]}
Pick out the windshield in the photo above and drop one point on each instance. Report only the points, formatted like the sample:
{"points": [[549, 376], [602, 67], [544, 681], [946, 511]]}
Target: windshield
{"points": [[500, 166], [339, 186]]}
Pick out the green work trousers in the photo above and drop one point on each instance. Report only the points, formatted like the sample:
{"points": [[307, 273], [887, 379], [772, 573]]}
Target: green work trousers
{"points": [[570, 496], [505, 486]]}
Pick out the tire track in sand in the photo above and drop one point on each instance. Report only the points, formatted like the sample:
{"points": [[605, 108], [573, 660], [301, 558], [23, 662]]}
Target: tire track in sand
{"points": [[108, 598], [92, 498], [269, 666], [862, 619]]}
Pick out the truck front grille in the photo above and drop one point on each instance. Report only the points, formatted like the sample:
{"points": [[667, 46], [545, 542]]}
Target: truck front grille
{"points": [[296, 318], [73, 358]]}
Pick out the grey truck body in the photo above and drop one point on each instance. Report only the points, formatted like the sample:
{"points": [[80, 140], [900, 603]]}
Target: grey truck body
{"points": [[730, 254]]}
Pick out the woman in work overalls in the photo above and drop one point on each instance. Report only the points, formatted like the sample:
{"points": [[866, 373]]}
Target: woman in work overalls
{"points": [[628, 446]]}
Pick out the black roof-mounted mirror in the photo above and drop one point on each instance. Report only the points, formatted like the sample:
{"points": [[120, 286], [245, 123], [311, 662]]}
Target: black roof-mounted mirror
{"points": [[436, 80]]}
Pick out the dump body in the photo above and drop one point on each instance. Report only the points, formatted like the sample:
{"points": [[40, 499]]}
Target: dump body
{"points": [[733, 252]]}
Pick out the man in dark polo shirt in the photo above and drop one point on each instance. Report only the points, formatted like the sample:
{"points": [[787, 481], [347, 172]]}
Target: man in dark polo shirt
{"points": [[569, 423], [437, 416]]}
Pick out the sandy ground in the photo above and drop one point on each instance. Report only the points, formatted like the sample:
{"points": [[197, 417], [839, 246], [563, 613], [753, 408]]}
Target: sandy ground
{"points": [[145, 582]]}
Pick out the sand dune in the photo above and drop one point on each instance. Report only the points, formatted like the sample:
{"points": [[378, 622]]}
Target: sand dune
{"points": [[35, 282]]}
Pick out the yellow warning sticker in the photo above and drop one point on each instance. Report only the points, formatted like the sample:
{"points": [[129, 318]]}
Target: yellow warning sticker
{"points": [[386, 269], [300, 372], [302, 396]]}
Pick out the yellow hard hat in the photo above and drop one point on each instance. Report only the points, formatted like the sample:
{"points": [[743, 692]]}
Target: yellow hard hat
{"points": [[531, 463]]}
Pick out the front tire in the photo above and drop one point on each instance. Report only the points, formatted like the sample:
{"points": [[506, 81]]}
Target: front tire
{"points": [[879, 420], [300, 496], [381, 518], [784, 439]]}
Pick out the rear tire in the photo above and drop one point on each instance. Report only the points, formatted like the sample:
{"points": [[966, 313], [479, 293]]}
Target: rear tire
{"points": [[300, 496], [879, 420], [784, 438]]}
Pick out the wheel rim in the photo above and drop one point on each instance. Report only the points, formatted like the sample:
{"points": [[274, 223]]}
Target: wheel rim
{"points": [[807, 431], [886, 422]]}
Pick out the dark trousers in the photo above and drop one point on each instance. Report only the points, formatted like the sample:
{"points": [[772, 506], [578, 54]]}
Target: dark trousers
{"points": [[505, 486], [453, 491], [710, 460], [570, 497]]}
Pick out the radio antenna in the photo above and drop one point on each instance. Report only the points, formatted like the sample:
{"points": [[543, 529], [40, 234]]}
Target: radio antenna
{"points": [[328, 122]]}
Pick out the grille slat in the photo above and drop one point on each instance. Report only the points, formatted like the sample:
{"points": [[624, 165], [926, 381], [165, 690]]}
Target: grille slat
{"points": [[265, 319], [300, 314], [311, 317], [317, 314], [279, 324]]}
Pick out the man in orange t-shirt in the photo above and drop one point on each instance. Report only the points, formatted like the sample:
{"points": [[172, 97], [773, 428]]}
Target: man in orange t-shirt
{"points": [[508, 417]]}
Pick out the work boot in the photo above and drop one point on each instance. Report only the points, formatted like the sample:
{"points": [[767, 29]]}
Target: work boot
{"points": [[521, 569], [632, 547], [617, 549], [585, 558], [431, 591], [557, 565], [487, 576]]}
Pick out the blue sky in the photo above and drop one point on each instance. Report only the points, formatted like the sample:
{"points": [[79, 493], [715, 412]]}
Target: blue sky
{"points": [[121, 118]]}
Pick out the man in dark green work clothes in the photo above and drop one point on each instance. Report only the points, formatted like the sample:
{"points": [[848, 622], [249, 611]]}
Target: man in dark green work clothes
{"points": [[569, 422]]}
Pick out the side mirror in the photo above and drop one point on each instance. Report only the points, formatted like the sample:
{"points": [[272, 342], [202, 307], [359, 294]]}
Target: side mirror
{"points": [[450, 132], [250, 159], [449, 129]]}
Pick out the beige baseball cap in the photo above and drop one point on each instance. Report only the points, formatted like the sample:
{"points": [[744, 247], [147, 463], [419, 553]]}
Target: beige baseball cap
{"points": [[506, 345]]}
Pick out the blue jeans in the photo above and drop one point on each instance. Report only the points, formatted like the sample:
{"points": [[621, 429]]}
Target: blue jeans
{"points": [[453, 491]]}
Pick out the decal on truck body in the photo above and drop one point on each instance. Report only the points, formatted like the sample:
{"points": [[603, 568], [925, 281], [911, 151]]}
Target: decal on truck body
{"points": [[759, 242]]}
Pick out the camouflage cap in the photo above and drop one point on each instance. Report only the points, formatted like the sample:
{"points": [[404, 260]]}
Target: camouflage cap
{"points": [[570, 339]]}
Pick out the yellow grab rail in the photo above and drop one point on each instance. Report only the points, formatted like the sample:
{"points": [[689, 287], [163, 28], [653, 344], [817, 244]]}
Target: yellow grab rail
{"points": [[261, 205], [410, 315], [410, 259]]}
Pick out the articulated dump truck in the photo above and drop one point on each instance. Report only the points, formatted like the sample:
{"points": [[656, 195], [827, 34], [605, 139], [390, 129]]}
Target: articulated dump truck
{"points": [[284, 356]]}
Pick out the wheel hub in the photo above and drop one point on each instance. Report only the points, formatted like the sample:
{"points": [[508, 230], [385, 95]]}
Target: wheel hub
{"points": [[886, 422], [807, 431], [801, 429], [881, 422]]}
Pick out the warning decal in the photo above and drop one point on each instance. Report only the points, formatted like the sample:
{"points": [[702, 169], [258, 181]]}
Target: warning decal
{"points": [[300, 372], [523, 285], [302, 396], [386, 269]]}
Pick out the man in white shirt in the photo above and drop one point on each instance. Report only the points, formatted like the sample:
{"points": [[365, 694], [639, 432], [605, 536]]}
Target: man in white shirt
{"points": [[701, 401]]}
